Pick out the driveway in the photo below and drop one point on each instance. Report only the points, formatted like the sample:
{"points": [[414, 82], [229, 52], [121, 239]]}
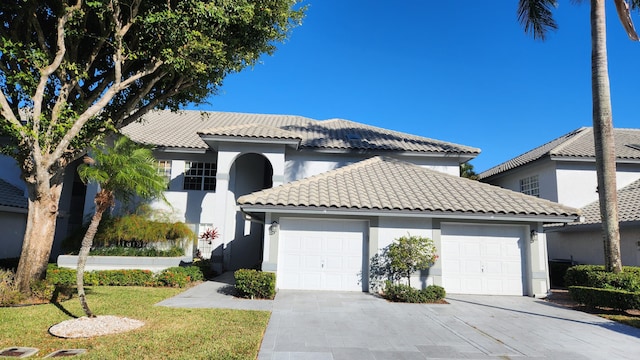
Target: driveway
{"points": [[332, 326], [350, 325]]}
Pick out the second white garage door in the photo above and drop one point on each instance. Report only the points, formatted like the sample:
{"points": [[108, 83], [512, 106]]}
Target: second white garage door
{"points": [[321, 254], [482, 259]]}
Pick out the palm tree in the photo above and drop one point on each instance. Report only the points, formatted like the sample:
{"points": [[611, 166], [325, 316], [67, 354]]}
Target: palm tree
{"points": [[123, 171], [536, 17]]}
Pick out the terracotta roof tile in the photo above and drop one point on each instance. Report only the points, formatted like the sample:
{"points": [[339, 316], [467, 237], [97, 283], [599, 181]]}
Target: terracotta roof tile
{"points": [[382, 183], [12, 196], [182, 129], [576, 144]]}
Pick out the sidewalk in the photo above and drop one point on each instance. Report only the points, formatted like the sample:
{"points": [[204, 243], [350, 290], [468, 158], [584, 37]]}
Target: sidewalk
{"points": [[217, 293]]}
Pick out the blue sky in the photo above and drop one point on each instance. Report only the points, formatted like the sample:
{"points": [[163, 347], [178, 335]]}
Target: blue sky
{"points": [[460, 71]]}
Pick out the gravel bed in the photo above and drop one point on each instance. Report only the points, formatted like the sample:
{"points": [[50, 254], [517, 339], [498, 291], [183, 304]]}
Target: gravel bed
{"points": [[88, 327]]}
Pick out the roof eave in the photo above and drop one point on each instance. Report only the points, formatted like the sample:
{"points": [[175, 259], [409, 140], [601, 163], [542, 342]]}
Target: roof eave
{"points": [[14, 209], [212, 140], [409, 213]]}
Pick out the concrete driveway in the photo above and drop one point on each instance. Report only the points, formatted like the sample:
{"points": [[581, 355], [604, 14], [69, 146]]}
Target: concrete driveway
{"points": [[340, 325], [332, 326]]}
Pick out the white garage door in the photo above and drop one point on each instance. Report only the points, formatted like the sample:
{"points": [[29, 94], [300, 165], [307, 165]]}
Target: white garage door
{"points": [[482, 259], [321, 254]]}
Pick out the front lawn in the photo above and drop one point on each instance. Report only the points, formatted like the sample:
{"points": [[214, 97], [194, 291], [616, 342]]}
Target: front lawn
{"points": [[168, 333]]}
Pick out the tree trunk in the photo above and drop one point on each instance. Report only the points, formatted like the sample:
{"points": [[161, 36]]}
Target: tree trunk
{"points": [[39, 234], [103, 201], [603, 138]]}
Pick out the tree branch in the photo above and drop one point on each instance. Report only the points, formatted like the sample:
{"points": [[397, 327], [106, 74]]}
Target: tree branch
{"points": [[95, 108]]}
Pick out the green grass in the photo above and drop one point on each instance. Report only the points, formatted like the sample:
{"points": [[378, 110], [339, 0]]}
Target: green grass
{"points": [[168, 333], [623, 319]]}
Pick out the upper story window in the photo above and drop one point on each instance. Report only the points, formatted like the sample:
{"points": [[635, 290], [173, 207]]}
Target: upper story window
{"points": [[199, 176], [530, 186], [164, 169]]}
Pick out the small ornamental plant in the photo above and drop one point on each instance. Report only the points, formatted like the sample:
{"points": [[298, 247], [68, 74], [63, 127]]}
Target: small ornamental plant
{"points": [[209, 235], [409, 254]]}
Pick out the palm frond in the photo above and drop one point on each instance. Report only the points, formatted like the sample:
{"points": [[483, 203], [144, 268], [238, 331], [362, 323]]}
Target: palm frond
{"points": [[624, 13], [536, 17]]}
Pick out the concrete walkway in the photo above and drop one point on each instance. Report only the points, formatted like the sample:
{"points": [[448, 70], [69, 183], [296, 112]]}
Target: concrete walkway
{"points": [[344, 325]]}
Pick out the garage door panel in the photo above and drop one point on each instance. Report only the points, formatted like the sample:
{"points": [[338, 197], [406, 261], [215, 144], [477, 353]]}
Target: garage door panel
{"points": [[481, 259], [332, 253]]}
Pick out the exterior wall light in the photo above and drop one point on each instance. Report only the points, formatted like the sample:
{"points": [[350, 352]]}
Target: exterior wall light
{"points": [[273, 228], [534, 235]]}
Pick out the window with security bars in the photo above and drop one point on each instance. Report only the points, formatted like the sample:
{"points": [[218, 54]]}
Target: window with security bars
{"points": [[164, 170], [200, 176], [530, 186]]}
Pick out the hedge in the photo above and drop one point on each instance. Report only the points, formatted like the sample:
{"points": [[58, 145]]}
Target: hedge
{"points": [[255, 284], [595, 276], [172, 277], [609, 298]]}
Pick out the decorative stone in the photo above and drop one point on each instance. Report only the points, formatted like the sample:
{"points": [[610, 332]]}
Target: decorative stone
{"points": [[18, 352]]}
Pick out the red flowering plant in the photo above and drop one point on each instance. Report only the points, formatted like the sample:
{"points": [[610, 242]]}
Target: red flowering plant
{"points": [[209, 235]]}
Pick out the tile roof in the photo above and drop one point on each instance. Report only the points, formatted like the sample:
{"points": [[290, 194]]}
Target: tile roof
{"points": [[576, 144], [385, 184], [12, 196], [182, 129], [628, 206]]}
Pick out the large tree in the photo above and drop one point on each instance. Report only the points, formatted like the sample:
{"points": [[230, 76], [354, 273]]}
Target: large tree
{"points": [[72, 71], [124, 171], [536, 17]]}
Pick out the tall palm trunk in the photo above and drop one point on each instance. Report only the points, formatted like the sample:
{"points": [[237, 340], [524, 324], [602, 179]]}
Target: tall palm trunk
{"points": [[603, 138], [103, 201]]}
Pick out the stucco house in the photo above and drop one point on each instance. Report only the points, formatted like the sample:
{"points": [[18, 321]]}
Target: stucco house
{"points": [[313, 201], [563, 170]]}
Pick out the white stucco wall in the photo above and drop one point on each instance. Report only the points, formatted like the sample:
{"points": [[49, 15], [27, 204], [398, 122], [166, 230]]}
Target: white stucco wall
{"points": [[546, 172], [578, 182], [586, 247], [301, 165]]}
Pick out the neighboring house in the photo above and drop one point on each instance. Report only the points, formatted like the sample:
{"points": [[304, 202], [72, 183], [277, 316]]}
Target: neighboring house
{"points": [[13, 219], [335, 193], [563, 170], [582, 242]]}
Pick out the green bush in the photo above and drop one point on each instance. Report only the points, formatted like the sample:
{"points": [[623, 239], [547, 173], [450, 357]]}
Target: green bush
{"points": [[255, 284], [405, 293], [9, 293], [61, 276], [132, 277], [175, 251], [595, 276], [173, 277], [609, 298], [179, 276]]}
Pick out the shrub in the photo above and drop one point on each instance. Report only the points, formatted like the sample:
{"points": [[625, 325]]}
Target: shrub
{"points": [[405, 293], [133, 277], [174, 277], [255, 284], [179, 276], [61, 276], [409, 254], [9, 293], [609, 298], [595, 276], [42, 289], [175, 251]]}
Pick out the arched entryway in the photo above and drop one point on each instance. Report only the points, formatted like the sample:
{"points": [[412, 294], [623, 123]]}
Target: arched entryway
{"points": [[249, 173]]}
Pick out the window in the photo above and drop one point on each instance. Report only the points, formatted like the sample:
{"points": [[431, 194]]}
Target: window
{"points": [[164, 170], [199, 176], [530, 186]]}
